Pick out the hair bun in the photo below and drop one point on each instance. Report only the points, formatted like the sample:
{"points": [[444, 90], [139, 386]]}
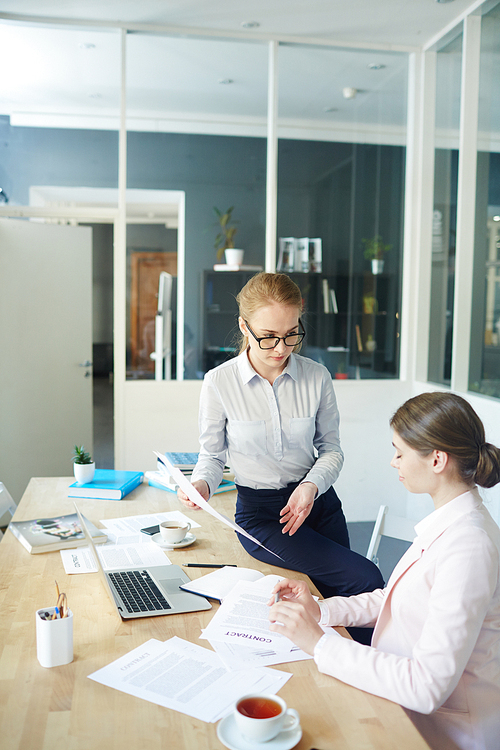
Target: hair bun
{"points": [[488, 466]]}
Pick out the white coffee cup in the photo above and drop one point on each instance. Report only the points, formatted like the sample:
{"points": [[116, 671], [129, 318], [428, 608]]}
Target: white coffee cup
{"points": [[261, 717], [174, 532]]}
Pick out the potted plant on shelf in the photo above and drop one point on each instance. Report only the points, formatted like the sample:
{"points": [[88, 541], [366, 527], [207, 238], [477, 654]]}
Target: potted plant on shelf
{"points": [[83, 466], [375, 249], [224, 242]]}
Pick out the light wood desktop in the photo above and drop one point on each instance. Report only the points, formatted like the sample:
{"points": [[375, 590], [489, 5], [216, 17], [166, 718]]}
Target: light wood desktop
{"points": [[54, 708]]}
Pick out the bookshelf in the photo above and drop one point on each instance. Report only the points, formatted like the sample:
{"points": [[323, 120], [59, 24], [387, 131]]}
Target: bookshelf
{"points": [[352, 331]]}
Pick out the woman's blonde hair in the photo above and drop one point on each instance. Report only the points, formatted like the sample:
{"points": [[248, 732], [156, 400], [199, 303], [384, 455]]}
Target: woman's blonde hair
{"points": [[447, 422], [263, 289]]}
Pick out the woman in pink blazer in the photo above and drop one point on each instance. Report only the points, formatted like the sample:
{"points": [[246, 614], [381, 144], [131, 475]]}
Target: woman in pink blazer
{"points": [[436, 644]]}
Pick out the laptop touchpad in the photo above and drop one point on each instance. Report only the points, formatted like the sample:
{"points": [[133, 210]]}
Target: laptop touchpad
{"points": [[171, 585]]}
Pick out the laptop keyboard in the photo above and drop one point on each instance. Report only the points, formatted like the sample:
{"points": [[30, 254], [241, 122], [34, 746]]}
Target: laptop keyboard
{"points": [[139, 592]]}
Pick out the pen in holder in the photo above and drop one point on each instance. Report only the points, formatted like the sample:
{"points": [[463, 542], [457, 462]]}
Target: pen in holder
{"points": [[54, 638]]}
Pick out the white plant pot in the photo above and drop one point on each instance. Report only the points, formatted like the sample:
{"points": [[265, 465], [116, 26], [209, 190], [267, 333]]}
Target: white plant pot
{"points": [[84, 473], [234, 257], [377, 266]]}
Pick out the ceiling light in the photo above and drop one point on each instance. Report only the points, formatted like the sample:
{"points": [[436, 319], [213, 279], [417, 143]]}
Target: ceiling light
{"points": [[376, 66], [496, 218], [87, 45], [250, 24], [349, 93], [444, 1], [95, 96], [330, 109], [225, 81]]}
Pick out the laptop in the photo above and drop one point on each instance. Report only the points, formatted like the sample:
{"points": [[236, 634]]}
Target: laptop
{"points": [[145, 591]]}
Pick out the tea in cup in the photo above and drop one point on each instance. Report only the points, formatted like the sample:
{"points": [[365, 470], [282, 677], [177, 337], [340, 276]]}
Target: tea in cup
{"points": [[260, 718], [174, 532]]}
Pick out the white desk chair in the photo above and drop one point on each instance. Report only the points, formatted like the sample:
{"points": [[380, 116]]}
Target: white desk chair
{"points": [[7, 504], [387, 524]]}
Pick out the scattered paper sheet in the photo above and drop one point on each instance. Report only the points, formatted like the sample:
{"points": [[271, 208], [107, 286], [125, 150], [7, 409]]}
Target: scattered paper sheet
{"points": [[186, 677], [235, 656], [196, 498], [113, 556], [127, 530], [243, 617]]}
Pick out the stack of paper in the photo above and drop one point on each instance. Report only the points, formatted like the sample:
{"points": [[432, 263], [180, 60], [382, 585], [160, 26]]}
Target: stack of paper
{"points": [[186, 678], [239, 631]]}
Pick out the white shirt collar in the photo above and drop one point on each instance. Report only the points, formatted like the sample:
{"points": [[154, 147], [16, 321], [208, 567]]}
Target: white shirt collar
{"points": [[247, 372], [438, 521]]}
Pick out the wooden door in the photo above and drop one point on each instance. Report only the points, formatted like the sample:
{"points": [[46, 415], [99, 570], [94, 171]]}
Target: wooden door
{"points": [[146, 267]]}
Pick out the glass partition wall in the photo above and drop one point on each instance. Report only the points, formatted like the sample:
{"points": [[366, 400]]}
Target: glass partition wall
{"points": [[196, 113], [484, 375], [444, 219], [341, 157]]}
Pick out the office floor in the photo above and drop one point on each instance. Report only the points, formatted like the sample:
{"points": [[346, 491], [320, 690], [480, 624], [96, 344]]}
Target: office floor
{"points": [[390, 550]]}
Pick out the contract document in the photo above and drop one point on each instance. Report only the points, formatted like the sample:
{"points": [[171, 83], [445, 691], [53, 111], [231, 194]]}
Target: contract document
{"points": [[185, 677], [114, 556], [243, 618]]}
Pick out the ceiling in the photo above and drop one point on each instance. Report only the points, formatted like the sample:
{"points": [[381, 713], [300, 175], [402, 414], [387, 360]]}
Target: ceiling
{"points": [[397, 22], [63, 75]]}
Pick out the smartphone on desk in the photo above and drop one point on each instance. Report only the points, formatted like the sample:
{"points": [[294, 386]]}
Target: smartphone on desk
{"points": [[150, 530]]}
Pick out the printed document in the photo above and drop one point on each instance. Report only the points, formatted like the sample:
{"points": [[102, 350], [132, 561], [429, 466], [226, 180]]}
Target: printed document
{"points": [[243, 617], [185, 677], [195, 497], [127, 530], [114, 556]]}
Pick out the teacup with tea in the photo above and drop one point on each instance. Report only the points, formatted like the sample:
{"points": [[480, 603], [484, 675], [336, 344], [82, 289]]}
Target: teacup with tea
{"points": [[262, 717]]}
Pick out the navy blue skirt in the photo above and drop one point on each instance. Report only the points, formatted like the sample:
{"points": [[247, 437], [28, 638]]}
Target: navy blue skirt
{"points": [[319, 548]]}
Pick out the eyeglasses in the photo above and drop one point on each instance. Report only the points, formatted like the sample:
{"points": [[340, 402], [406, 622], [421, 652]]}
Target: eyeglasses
{"points": [[271, 342]]}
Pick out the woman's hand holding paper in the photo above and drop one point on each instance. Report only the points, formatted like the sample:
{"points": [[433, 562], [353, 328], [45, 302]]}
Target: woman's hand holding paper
{"points": [[202, 488], [296, 615]]}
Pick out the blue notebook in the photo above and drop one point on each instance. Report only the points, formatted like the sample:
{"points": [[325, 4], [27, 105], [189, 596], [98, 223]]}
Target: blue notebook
{"points": [[107, 484]]}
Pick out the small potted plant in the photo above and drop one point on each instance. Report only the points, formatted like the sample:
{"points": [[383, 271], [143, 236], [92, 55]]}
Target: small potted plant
{"points": [[375, 249], [83, 466], [224, 242]]}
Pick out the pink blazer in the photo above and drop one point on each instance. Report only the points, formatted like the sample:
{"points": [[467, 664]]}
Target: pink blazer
{"points": [[436, 644]]}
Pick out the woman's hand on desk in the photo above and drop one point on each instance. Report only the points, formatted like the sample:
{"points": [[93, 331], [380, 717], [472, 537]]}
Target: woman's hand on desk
{"points": [[298, 507], [202, 488], [296, 615]]}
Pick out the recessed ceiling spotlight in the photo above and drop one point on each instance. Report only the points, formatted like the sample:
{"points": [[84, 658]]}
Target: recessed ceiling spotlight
{"points": [[376, 66], [330, 109], [225, 81], [95, 96], [349, 93], [496, 218], [250, 24], [444, 1], [86, 45]]}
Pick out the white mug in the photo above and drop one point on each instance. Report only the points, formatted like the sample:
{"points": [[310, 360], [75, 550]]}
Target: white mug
{"points": [[260, 717], [174, 532]]}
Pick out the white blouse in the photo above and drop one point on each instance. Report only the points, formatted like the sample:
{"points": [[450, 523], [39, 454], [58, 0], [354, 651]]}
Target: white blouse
{"points": [[271, 435]]}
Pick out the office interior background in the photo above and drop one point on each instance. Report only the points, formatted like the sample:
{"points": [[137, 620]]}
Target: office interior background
{"points": [[122, 126]]}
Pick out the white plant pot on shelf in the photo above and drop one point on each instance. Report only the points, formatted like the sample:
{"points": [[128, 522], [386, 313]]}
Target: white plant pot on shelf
{"points": [[377, 266], [84, 473], [234, 257]]}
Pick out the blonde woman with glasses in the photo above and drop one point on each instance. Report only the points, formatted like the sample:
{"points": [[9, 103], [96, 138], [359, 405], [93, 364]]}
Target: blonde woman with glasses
{"points": [[272, 415]]}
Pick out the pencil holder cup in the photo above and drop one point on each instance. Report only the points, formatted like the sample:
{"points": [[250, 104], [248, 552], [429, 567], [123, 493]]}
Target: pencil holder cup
{"points": [[54, 638]]}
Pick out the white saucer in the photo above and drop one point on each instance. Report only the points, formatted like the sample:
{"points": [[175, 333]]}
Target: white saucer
{"points": [[188, 539], [231, 738]]}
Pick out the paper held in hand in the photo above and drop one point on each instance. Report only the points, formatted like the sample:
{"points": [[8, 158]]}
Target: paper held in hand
{"points": [[196, 498]]}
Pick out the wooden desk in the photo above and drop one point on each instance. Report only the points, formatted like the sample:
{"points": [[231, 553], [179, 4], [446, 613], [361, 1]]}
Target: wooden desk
{"points": [[44, 709]]}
